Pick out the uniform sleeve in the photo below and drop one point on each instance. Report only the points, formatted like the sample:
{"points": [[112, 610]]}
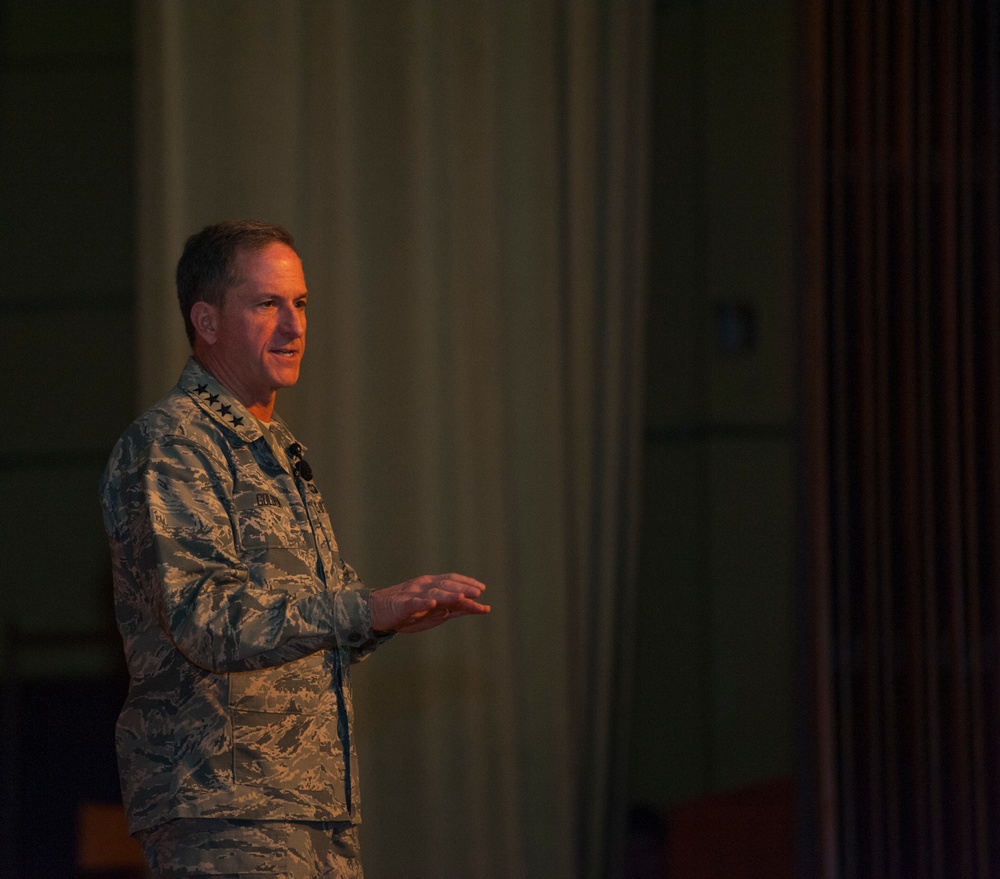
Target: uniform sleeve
{"points": [[355, 606], [227, 610]]}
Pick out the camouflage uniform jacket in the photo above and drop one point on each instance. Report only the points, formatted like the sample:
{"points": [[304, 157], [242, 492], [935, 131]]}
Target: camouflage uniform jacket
{"points": [[238, 616]]}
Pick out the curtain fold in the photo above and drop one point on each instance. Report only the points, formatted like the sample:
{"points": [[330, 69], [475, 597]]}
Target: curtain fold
{"points": [[466, 185], [900, 321]]}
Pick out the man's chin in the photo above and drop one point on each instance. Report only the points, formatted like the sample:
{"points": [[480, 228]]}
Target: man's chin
{"points": [[283, 374]]}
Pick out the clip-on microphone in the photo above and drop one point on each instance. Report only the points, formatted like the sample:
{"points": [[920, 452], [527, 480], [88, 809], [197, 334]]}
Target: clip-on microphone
{"points": [[300, 465]]}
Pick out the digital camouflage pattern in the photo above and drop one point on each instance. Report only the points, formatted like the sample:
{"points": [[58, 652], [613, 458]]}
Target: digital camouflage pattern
{"points": [[271, 849], [238, 616]]}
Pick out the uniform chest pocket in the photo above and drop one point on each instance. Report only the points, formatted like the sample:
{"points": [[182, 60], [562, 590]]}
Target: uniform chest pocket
{"points": [[265, 521]]}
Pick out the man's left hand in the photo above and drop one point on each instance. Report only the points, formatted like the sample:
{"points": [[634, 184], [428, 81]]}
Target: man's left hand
{"points": [[425, 602]]}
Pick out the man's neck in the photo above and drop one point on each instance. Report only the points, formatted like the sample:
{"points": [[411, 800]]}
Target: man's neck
{"points": [[260, 409]]}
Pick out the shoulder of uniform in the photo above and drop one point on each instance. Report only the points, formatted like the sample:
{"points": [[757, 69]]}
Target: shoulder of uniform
{"points": [[175, 418]]}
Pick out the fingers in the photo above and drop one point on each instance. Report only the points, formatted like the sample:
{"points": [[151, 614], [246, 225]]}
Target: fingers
{"points": [[467, 605], [445, 603], [461, 609], [451, 582], [449, 587]]}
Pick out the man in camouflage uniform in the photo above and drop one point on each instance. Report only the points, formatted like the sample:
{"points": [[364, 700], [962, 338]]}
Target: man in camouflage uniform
{"points": [[238, 615]]}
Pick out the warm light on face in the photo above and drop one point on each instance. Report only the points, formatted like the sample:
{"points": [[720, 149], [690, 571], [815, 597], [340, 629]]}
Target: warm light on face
{"points": [[260, 330]]}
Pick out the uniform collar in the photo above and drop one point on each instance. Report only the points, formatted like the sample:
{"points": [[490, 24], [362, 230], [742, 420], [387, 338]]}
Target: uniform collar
{"points": [[219, 403]]}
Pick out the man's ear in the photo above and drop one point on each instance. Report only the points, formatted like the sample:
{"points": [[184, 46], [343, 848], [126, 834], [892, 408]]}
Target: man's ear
{"points": [[205, 318]]}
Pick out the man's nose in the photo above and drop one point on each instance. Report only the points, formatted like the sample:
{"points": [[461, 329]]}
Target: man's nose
{"points": [[293, 321]]}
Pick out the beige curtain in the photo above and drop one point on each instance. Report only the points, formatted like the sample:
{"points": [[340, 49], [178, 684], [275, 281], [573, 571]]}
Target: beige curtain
{"points": [[465, 182]]}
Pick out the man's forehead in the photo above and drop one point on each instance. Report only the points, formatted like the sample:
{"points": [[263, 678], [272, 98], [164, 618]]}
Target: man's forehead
{"points": [[272, 252], [275, 264]]}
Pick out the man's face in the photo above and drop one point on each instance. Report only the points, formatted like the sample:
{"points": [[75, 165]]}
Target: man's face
{"points": [[261, 327]]}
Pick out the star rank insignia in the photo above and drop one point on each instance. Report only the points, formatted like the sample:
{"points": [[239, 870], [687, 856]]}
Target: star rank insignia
{"points": [[224, 409]]}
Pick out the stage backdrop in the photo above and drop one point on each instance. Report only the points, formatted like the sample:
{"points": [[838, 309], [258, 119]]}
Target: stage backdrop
{"points": [[465, 182]]}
